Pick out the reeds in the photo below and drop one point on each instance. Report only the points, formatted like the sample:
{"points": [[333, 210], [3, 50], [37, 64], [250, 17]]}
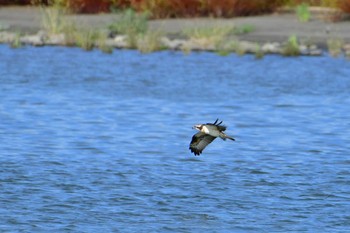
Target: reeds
{"points": [[303, 12], [16, 43], [243, 29], [86, 38], [335, 46], [149, 41], [259, 53], [219, 38], [101, 42], [52, 19], [131, 24], [291, 47], [55, 21], [134, 26], [208, 37]]}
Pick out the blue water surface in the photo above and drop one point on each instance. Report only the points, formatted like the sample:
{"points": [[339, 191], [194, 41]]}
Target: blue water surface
{"points": [[92, 142]]}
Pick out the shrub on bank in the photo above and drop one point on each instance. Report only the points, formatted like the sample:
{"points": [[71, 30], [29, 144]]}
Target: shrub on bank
{"points": [[15, 2], [88, 6], [184, 8], [196, 8], [166, 8], [344, 5]]}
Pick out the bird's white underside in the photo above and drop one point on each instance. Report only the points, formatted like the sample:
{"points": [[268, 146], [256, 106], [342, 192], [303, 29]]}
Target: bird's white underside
{"points": [[211, 130]]}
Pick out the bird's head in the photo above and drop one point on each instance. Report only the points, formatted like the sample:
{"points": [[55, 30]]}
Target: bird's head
{"points": [[197, 127]]}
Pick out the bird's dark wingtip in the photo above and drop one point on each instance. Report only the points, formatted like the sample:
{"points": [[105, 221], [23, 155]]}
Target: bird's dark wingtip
{"points": [[216, 122], [195, 152]]}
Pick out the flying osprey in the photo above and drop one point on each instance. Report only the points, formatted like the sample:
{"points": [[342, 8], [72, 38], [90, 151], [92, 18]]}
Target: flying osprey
{"points": [[207, 133]]}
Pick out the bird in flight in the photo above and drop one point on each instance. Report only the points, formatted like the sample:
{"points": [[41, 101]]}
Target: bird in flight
{"points": [[207, 133]]}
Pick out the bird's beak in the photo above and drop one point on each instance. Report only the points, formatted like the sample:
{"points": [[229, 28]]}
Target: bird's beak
{"points": [[195, 127]]}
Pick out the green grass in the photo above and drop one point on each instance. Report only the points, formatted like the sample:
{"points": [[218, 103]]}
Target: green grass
{"points": [[208, 32], [131, 24], [85, 38], [303, 12], [69, 31], [149, 42], [226, 47], [16, 43], [335, 46], [291, 48], [218, 37], [101, 40], [52, 19], [88, 38], [243, 29], [259, 54], [207, 37], [54, 22]]}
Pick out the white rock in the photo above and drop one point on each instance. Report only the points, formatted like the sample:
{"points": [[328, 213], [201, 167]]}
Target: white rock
{"points": [[120, 41], [178, 43], [7, 37], [57, 39], [173, 44], [304, 50], [271, 48], [313, 47], [110, 42], [346, 47], [199, 45], [248, 47], [315, 52], [35, 40], [347, 53], [303, 47]]}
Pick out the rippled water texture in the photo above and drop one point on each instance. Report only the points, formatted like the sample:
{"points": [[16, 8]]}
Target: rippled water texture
{"points": [[99, 143]]}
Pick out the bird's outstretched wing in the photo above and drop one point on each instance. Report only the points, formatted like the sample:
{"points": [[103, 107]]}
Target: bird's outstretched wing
{"points": [[199, 142]]}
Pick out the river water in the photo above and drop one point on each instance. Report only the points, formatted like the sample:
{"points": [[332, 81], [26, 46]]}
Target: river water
{"points": [[92, 142]]}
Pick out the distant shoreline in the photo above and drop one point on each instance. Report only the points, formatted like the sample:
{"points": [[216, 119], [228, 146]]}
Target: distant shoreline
{"points": [[269, 29]]}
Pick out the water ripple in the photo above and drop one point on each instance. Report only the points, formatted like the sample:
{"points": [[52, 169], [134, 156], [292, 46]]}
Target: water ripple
{"points": [[99, 143]]}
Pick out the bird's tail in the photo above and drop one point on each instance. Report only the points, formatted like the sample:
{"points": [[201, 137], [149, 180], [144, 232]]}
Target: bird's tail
{"points": [[223, 136]]}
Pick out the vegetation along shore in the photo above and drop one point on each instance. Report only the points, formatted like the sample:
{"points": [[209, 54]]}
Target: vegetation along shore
{"points": [[289, 28]]}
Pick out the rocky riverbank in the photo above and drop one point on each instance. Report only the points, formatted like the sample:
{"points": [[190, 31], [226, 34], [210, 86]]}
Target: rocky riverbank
{"points": [[42, 38], [277, 33]]}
